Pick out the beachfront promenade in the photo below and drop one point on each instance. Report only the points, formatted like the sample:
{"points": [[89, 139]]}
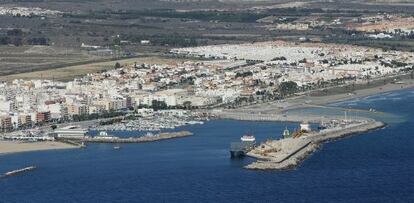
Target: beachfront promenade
{"points": [[246, 116]]}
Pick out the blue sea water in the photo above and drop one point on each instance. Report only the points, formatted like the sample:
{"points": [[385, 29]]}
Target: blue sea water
{"points": [[373, 167]]}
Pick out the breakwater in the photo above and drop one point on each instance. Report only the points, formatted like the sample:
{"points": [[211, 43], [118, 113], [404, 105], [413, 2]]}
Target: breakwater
{"points": [[290, 152], [152, 138], [18, 171]]}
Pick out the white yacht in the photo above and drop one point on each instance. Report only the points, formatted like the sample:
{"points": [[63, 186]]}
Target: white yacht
{"points": [[248, 138]]}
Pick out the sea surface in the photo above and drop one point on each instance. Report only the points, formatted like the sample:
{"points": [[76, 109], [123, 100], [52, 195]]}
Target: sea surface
{"points": [[373, 167]]}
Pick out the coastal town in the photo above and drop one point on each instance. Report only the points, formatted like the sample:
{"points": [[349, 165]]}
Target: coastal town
{"points": [[206, 101], [193, 81], [224, 77], [212, 82]]}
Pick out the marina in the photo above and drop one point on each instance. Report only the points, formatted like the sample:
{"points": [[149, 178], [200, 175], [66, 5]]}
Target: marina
{"points": [[190, 166], [140, 125], [148, 120]]}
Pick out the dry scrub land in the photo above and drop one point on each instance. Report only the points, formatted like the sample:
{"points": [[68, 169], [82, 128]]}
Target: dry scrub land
{"points": [[33, 58], [70, 72]]}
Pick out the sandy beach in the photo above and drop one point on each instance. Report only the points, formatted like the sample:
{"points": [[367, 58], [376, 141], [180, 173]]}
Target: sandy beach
{"points": [[405, 84], [7, 147], [280, 110]]}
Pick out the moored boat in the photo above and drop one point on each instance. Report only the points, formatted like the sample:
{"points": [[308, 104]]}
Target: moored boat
{"points": [[248, 138]]}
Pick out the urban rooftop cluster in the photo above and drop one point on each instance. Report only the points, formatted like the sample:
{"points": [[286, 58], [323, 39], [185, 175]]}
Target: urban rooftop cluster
{"points": [[234, 75]]}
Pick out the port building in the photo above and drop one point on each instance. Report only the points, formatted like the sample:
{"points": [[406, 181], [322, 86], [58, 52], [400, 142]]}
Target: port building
{"points": [[71, 132]]}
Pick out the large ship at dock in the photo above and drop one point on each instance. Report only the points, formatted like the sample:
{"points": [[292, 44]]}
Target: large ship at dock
{"points": [[240, 149], [248, 138]]}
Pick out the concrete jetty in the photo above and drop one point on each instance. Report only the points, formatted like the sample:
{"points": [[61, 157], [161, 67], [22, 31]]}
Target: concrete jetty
{"points": [[18, 171], [156, 137], [289, 152]]}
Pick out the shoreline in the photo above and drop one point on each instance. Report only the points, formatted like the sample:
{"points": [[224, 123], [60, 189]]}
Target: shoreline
{"points": [[13, 147], [270, 111], [289, 153], [279, 110]]}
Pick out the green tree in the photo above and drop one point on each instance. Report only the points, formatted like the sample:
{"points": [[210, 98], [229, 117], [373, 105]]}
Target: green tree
{"points": [[187, 105], [158, 105], [288, 88], [53, 127], [117, 41], [117, 65]]}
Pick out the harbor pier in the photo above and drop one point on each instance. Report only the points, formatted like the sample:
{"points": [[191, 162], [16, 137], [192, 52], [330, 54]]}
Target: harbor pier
{"points": [[289, 152], [18, 171], [114, 139]]}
